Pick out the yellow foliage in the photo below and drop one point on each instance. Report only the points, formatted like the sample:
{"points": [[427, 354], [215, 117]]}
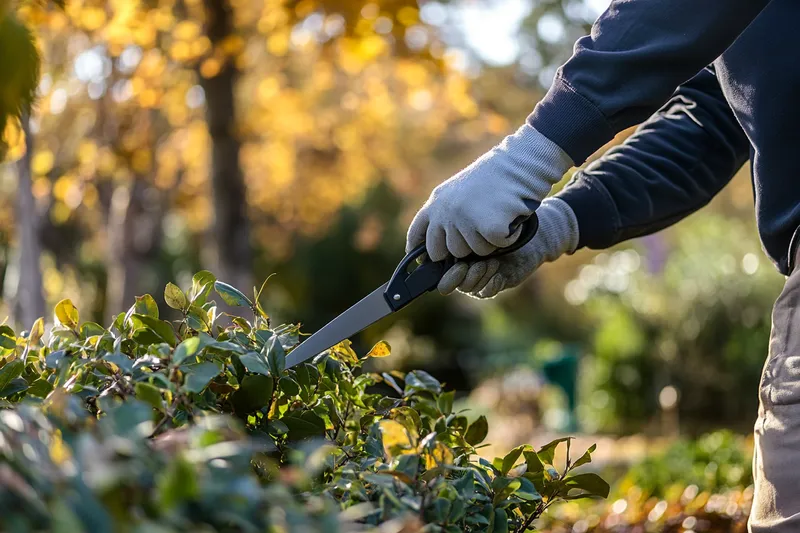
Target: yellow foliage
{"points": [[381, 349], [42, 162], [440, 455], [396, 438], [14, 137]]}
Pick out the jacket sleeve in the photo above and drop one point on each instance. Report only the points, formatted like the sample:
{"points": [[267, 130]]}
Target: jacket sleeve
{"points": [[637, 54], [673, 165]]}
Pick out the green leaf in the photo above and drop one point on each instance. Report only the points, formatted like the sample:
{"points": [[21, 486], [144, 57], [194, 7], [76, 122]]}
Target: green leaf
{"points": [[304, 425], [277, 428], [500, 521], [122, 361], [477, 431], [88, 329], [419, 380], [40, 388], [533, 462], [163, 330], [255, 362], [391, 382], [289, 386], [511, 459], [231, 295], [201, 286], [197, 318], [149, 394], [199, 375], [527, 491], [16, 385], [186, 349], [66, 314], [177, 484], [146, 305], [276, 357], [10, 371], [590, 484], [254, 393], [445, 402], [585, 458], [174, 297], [548, 451], [7, 342]]}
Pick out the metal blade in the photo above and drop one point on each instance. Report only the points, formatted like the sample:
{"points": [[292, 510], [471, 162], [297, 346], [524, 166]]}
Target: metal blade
{"points": [[364, 313]]}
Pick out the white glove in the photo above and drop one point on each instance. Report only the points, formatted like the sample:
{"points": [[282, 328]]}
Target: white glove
{"points": [[557, 235], [474, 210]]}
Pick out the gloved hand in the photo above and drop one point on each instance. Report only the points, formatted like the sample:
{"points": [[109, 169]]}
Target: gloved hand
{"points": [[557, 235], [475, 210]]}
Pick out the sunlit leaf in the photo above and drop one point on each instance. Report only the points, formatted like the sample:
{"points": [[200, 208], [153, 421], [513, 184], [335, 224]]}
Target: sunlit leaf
{"points": [[381, 349], [146, 305], [231, 295], [396, 438], [185, 349], [149, 394], [66, 314], [163, 330], [174, 297], [37, 332]]}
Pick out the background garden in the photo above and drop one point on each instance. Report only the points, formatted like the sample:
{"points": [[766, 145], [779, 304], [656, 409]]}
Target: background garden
{"points": [[296, 139]]}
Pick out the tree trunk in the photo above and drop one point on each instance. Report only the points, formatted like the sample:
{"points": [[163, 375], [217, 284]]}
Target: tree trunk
{"points": [[134, 240], [26, 293], [232, 255]]}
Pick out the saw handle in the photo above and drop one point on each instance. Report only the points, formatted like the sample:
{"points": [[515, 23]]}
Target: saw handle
{"points": [[405, 286]]}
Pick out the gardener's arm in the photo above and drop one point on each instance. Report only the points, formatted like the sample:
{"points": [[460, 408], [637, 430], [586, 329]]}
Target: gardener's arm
{"points": [[636, 55], [673, 165]]}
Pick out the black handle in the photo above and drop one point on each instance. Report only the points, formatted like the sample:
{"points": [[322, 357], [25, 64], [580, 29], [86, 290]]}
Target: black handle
{"points": [[405, 286]]}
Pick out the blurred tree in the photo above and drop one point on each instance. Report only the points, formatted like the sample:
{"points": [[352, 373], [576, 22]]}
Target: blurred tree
{"points": [[233, 255]]}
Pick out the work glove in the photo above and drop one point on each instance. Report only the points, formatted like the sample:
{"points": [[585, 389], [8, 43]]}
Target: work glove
{"points": [[479, 209], [557, 235]]}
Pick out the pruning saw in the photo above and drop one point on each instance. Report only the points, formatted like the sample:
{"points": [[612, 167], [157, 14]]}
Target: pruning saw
{"points": [[406, 285]]}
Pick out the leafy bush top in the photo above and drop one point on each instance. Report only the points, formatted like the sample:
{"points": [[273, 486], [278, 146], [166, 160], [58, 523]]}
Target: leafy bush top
{"points": [[188, 425]]}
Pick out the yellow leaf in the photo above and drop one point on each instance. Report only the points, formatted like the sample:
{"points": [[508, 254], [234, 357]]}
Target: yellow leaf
{"points": [[66, 313], [59, 452], [382, 349], [344, 352], [396, 439], [440, 455], [37, 331]]}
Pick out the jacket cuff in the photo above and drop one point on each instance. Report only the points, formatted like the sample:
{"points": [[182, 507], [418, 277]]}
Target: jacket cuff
{"points": [[594, 210], [571, 121]]}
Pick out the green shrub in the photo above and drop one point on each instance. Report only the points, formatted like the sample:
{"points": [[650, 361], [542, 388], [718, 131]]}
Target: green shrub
{"points": [[152, 425], [716, 462]]}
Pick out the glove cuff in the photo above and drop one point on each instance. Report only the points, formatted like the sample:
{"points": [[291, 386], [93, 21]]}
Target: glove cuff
{"points": [[558, 229], [533, 159]]}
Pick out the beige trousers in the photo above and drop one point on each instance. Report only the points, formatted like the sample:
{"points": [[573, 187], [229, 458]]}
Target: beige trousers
{"points": [[776, 463]]}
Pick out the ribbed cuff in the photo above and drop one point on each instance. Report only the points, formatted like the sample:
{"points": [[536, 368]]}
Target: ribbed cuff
{"points": [[558, 228], [533, 159], [571, 121], [594, 211]]}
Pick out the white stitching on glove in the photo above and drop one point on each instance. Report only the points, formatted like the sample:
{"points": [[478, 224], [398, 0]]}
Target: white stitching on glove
{"points": [[557, 235], [473, 210]]}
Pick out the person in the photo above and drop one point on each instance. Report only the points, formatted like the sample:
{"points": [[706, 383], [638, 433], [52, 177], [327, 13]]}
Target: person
{"points": [[711, 84]]}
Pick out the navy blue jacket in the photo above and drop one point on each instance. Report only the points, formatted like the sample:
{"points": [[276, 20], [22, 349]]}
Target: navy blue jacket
{"points": [[648, 61]]}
